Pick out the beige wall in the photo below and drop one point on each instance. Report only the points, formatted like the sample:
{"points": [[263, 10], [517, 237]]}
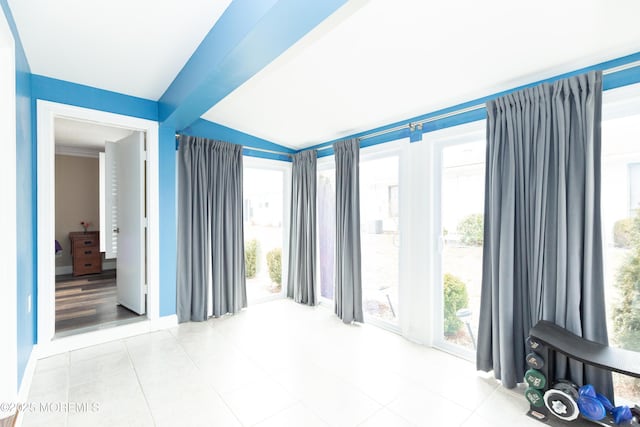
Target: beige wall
{"points": [[77, 199]]}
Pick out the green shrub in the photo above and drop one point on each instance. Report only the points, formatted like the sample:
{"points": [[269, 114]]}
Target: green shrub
{"points": [[455, 298], [626, 310], [274, 261], [250, 258], [471, 230], [622, 230]]}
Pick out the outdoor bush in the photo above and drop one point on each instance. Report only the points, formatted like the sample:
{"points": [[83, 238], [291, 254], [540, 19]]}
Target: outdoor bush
{"points": [[471, 229], [626, 314], [622, 230], [250, 258], [274, 261], [455, 298]]}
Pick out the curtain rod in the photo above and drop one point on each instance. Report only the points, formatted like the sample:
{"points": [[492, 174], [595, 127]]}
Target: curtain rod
{"points": [[264, 150], [418, 123]]}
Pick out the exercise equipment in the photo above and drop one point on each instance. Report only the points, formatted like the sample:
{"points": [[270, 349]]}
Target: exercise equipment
{"points": [[621, 414], [534, 360], [568, 387], [535, 379], [533, 343], [534, 396], [591, 408], [608, 406], [561, 404]]}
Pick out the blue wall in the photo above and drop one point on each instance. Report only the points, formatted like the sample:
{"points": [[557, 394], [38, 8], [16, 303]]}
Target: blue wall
{"points": [[25, 202], [167, 202]]}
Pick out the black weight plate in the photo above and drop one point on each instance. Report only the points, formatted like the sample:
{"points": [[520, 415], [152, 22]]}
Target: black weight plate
{"points": [[533, 343], [561, 405], [568, 387], [534, 360]]}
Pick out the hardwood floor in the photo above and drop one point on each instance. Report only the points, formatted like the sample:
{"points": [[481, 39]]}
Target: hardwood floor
{"points": [[88, 302]]}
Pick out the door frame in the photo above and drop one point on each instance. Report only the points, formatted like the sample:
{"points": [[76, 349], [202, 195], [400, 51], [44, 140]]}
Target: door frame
{"points": [[440, 140], [47, 111], [285, 168], [8, 251]]}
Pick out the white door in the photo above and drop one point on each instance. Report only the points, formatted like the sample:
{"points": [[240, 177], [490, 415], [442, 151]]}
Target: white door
{"points": [[130, 229]]}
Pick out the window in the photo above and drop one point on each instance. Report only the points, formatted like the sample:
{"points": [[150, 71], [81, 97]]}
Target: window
{"points": [[263, 207], [326, 187], [620, 220], [459, 204], [380, 237]]}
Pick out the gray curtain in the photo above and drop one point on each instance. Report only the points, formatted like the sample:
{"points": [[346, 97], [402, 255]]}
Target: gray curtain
{"points": [[348, 283], [542, 257], [302, 236], [210, 229]]}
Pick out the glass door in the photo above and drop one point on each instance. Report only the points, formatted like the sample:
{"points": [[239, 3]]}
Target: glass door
{"points": [[459, 208]]}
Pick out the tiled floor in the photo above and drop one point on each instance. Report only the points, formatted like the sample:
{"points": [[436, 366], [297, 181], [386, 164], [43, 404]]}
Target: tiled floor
{"points": [[276, 364]]}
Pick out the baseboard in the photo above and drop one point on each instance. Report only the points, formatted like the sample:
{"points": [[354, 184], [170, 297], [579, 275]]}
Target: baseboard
{"points": [[67, 269], [64, 269], [27, 379], [164, 322]]}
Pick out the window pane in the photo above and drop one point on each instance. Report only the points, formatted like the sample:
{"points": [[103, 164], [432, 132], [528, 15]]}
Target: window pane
{"points": [[462, 207], [326, 229], [263, 233], [621, 231], [379, 220]]}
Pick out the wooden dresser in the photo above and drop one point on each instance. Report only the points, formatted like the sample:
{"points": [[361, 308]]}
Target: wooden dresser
{"points": [[85, 252]]}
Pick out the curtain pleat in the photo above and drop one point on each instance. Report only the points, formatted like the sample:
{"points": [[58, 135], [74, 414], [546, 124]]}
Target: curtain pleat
{"points": [[302, 237], [542, 255], [210, 229], [348, 274]]}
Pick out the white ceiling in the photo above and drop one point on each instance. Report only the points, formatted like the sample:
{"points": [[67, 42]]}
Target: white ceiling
{"points": [[135, 47], [86, 135], [371, 63], [393, 60]]}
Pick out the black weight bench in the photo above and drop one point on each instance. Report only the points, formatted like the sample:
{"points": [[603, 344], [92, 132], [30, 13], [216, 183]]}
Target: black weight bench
{"points": [[554, 338]]}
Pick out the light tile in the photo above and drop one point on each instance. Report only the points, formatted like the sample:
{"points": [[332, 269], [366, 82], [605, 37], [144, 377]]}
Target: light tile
{"points": [[423, 407], [97, 351], [275, 364], [53, 362], [258, 401], [294, 416], [385, 418]]}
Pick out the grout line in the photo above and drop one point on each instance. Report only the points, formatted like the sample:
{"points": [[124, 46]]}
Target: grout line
{"points": [[133, 365], [198, 369]]}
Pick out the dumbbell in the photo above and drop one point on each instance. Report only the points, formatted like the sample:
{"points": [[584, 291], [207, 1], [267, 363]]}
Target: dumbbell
{"points": [[534, 360], [561, 400]]}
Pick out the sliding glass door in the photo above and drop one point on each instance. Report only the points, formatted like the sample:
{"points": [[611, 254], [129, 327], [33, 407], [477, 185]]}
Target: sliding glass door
{"points": [[459, 208], [380, 235], [263, 231]]}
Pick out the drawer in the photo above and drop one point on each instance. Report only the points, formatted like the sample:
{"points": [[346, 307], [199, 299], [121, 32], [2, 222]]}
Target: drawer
{"points": [[87, 264], [89, 241], [86, 252]]}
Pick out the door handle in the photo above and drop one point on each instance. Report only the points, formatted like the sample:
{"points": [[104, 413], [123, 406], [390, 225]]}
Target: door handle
{"points": [[116, 230]]}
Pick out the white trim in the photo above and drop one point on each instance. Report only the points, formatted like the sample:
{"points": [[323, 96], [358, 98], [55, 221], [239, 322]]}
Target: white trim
{"points": [[74, 342], [461, 134], [47, 112], [65, 150], [8, 250]]}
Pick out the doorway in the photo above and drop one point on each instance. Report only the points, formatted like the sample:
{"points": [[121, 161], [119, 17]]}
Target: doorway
{"points": [[90, 284], [47, 113]]}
